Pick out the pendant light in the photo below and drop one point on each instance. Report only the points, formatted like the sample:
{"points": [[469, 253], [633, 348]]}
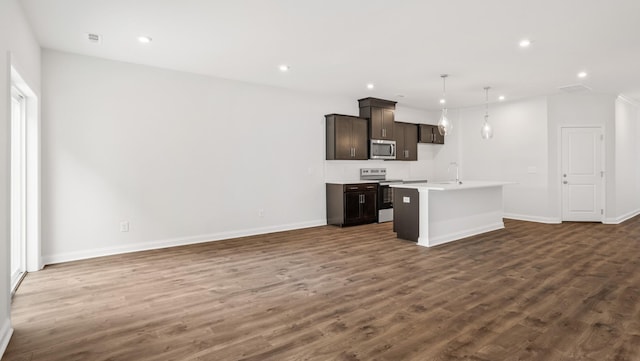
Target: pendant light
{"points": [[444, 125], [486, 132]]}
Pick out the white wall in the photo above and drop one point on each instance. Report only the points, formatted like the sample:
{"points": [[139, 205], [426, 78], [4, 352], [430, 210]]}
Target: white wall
{"points": [[182, 157], [18, 48], [627, 160], [517, 153]]}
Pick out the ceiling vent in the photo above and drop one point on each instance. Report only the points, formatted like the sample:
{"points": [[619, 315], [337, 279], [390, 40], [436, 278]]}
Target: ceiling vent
{"points": [[94, 38], [575, 88]]}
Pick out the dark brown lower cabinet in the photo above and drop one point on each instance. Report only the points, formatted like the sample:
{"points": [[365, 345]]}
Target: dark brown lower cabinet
{"points": [[351, 204], [406, 215]]}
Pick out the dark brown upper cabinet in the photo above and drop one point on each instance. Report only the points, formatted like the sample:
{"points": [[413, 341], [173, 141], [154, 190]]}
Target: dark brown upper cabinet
{"points": [[346, 137], [430, 134], [380, 114], [406, 137]]}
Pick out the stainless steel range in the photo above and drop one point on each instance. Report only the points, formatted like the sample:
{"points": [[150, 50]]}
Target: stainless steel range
{"points": [[385, 193]]}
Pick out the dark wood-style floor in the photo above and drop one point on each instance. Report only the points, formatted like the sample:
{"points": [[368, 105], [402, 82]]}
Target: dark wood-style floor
{"points": [[528, 292]]}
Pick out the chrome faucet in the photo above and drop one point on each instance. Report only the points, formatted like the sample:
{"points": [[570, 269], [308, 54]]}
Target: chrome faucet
{"points": [[454, 164]]}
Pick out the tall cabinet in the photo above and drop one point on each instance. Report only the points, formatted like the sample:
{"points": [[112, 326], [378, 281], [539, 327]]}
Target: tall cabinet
{"points": [[346, 137]]}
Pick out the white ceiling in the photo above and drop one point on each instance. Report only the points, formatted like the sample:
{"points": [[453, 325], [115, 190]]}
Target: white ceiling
{"points": [[338, 46]]}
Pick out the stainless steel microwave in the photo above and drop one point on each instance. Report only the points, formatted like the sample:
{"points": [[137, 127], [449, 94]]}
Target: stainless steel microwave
{"points": [[382, 149]]}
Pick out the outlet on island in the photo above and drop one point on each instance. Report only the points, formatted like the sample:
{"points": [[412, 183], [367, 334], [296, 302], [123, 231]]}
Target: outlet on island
{"points": [[261, 213], [124, 226]]}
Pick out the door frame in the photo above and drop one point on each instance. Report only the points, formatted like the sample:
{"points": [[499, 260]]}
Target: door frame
{"points": [[32, 180], [17, 174], [603, 193]]}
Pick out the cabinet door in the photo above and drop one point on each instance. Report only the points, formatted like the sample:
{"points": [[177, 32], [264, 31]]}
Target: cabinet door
{"points": [[369, 207], [381, 123], [388, 120], [426, 133], [398, 132], [343, 135], [410, 142], [359, 139], [352, 207], [375, 124], [437, 138]]}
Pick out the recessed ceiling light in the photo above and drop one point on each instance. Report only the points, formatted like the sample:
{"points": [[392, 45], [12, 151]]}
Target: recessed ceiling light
{"points": [[370, 86], [582, 74], [501, 97], [284, 67], [524, 43], [144, 39]]}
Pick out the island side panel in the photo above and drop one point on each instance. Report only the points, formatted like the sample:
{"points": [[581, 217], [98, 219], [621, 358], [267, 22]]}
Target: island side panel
{"points": [[406, 214], [463, 213]]}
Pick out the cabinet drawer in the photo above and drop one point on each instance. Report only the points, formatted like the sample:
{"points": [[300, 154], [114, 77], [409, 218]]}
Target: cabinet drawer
{"points": [[360, 187]]}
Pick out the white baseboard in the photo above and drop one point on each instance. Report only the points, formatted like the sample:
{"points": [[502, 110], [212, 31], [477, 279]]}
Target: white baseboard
{"points": [[145, 246], [462, 234], [621, 218], [522, 217], [5, 335]]}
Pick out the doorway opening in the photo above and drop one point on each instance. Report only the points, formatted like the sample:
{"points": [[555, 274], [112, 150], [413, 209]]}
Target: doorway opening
{"points": [[18, 188], [24, 181]]}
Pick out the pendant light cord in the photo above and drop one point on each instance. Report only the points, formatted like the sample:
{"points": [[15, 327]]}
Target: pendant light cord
{"points": [[486, 104], [444, 89]]}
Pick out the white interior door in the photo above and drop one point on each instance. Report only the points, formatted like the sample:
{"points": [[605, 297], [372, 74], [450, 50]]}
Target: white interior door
{"points": [[18, 189], [582, 174]]}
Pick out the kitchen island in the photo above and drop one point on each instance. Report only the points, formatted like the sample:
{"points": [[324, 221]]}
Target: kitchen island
{"points": [[441, 212]]}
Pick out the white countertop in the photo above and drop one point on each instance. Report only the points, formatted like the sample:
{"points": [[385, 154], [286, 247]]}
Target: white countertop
{"points": [[451, 185], [353, 182]]}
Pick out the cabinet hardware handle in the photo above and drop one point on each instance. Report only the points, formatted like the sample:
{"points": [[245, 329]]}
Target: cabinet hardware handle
{"points": [[565, 182]]}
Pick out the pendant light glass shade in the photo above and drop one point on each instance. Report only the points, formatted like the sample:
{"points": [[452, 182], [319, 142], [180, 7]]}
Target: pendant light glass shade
{"points": [[486, 132], [444, 125]]}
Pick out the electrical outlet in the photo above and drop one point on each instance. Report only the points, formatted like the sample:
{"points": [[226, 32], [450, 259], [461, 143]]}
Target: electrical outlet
{"points": [[124, 226], [261, 213]]}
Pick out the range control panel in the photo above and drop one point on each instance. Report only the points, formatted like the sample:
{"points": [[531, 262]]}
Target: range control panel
{"points": [[373, 173]]}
